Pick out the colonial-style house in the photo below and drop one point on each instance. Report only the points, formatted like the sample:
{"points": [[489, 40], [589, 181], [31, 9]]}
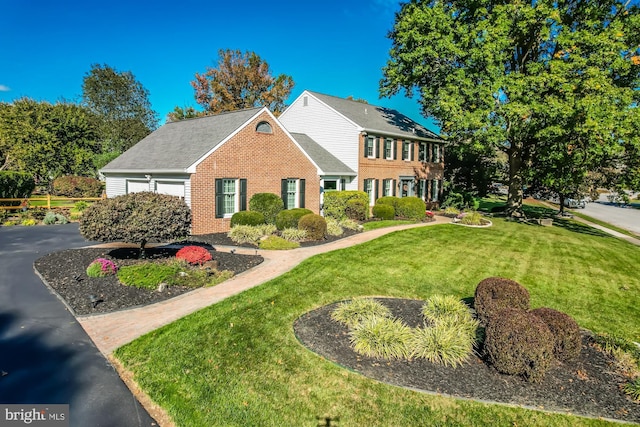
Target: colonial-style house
{"points": [[216, 163], [392, 154], [320, 143]]}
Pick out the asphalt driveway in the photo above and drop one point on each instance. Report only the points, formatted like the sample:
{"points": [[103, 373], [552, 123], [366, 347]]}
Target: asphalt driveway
{"points": [[623, 217], [45, 355]]}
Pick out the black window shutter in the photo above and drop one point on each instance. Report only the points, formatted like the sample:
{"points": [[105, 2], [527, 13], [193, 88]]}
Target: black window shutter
{"points": [[377, 189], [219, 199], [442, 153], [394, 147], [377, 148], [412, 149], [366, 144], [393, 186], [302, 193], [283, 192], [243, 194]]}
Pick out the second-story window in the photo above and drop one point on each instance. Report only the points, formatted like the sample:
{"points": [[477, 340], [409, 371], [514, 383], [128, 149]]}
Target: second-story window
{"points": [[406, 150], [370, 147], [388, 148]]}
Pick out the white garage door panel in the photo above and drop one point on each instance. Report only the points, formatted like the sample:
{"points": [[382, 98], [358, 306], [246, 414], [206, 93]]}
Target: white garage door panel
{"points": [[137, 186], [170, 188]]}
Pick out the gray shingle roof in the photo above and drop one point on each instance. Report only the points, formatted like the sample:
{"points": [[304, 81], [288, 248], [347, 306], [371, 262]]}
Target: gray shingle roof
{"points": [[376, 119], [176, 146], [327, 162]]}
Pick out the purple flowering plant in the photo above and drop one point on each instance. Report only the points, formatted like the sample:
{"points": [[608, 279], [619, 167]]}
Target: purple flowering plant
{"points": [[101, 267]]}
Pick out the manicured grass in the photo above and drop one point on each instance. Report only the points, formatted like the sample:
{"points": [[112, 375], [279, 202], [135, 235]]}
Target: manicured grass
{"points": [[372, 225], [238, 363]]}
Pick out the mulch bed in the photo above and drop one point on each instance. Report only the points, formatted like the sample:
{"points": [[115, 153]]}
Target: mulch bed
{"points": [[587, 386], [221, 239], [65, 272]]}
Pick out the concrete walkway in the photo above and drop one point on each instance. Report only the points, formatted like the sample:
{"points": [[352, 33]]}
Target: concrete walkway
{"points": [[112, 330]]}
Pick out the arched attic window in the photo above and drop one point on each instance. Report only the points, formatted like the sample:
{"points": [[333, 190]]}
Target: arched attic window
{"points": [[264, 127]]}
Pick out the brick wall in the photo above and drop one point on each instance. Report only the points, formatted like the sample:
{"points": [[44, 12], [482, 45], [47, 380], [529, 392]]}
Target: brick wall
{"points": [[263, 160]]}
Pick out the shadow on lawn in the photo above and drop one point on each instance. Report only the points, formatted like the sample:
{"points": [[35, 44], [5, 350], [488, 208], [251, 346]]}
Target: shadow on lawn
{"points": [[579, 227]]}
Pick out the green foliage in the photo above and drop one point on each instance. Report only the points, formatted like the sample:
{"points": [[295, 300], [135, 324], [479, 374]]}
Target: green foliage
{"points": [[445, 308], [289, 218], [293, 234], [268, 204], [632, 388], [353, 312], [567, 341], [357, 210], [383, 212], [381, 337], [388, 200], [101, 267], [333, 227], [29, 222], [519, 343], [314, 225], [250, 233], [80, 205], [335, 203], [494, 294], [77, 186], [54, 218], [45, 140], [121, 105], [136, 218], [412, 208], [350, 224], [473, 218], [277, 243], [552, 85], [444, 343], [247, 218], [15, 185], [148, 275], [451, 212]]}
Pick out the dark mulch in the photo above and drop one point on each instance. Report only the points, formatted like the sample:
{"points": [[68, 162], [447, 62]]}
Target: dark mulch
{"points": [[587, 386], [221, 239], [65, 272]]}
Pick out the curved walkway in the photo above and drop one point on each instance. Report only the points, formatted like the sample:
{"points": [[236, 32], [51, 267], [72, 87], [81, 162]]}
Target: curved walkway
{"points": [[112, 330]]}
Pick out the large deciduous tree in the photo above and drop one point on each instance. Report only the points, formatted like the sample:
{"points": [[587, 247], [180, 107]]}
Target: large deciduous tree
{"points": [[530, 78], [121, 103], [45, 140], [241, 80]]}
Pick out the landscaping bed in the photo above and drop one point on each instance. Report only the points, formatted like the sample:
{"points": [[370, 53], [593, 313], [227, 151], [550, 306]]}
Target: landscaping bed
{"points": [[65, 273], [587, 386]]}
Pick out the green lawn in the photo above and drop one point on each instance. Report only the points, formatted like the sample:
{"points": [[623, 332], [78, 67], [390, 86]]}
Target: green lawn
{"points": [[238, 363]]}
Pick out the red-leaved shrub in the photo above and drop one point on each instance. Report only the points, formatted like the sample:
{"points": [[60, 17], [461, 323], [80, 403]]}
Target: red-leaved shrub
{"points": [[194, 255]]}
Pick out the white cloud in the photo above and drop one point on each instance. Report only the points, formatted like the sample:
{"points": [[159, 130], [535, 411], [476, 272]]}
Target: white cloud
{"points": [[4, 88]]}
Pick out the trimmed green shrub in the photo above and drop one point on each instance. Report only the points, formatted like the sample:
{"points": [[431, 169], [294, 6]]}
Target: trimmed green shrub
{"points": [[382, 337], [412, 208], [567, 341], [289, 218], [388, 200], [247, 218], [268, 204], [384, 212], [453, 200], [335, 203], [77, 186], [137, 218], [357, 210], [350, 313], [276, 243], [497, 293], [15, 185], [333, 227], [293, 234], [314, 225], [519, 343]]}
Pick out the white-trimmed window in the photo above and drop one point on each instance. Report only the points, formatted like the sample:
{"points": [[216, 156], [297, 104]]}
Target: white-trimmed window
{"points": [[264, 127], [423, 152], [370, 147], [230, 196], [406, 187], [370, 187], [422, 189], [387, 187], [407, 153], [436, 153], [388, 148], [435, 190], [292, 193]]}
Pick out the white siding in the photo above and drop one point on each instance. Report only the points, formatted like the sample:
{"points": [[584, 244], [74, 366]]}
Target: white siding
{"points": [[115, 186], [137, 186], [171, 188], [177, 185], [328, 128]]}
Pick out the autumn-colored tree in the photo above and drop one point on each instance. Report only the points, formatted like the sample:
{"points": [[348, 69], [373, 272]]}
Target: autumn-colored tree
{"points": [[548, 82], [241, 80]]}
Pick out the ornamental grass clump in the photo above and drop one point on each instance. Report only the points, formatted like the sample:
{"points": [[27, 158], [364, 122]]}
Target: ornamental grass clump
{"points": [[567, 341], [333, 227], [382, 337], [101, 267], [194, 255], [519, 343], [351, 313], [473, 218], [497, 293], [445, 307], [444, 342], [293, 234]]}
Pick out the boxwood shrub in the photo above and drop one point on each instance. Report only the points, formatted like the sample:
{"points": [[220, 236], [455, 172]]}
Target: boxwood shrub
{"points": [[382, 211], [247, 218], [497, 293], [314, 225], [268, 204], [335, 203], [566, 332], [412, 208], [289, 218], [518, 342]]}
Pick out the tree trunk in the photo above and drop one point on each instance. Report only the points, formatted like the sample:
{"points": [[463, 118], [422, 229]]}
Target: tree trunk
{"points": [[561, 200], [514, 200]]}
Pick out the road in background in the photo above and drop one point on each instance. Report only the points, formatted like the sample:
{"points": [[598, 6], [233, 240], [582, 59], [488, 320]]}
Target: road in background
{"points": [[623, 217]]}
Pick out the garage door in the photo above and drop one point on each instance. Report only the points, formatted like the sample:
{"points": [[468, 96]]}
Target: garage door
{"points": [[171, 188], [137, 186]]}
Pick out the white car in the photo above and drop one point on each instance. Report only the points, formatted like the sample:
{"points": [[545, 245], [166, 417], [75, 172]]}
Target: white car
{"points": [[575, 203]]}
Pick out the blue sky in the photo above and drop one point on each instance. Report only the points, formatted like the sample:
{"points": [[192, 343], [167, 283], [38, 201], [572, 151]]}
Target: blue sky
{"points": [[337, 47]]}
